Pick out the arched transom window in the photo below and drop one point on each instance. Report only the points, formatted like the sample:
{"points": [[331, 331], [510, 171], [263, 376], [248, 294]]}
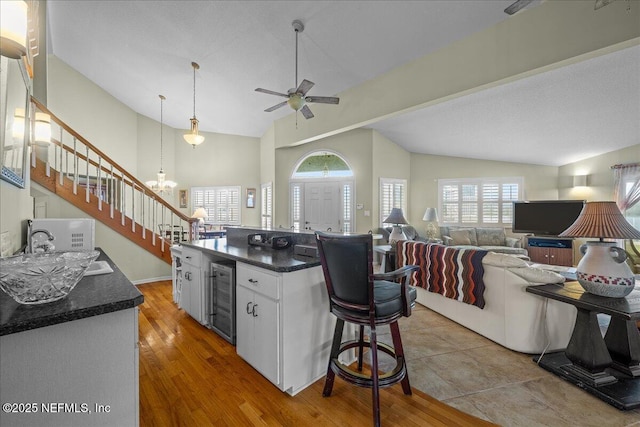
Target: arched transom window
{"points": [[322, 164]]}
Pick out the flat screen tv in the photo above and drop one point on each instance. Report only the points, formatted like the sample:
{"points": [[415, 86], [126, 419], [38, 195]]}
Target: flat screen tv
{"points": [[545, 217]]}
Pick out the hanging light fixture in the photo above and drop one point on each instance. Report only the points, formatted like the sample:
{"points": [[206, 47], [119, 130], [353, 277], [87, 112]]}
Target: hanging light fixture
{"points": [[161, 185], [13, 28], [193, 137]]}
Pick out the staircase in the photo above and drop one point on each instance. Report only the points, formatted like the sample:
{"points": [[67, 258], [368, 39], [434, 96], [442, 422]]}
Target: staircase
{"points": [[72, 168]]}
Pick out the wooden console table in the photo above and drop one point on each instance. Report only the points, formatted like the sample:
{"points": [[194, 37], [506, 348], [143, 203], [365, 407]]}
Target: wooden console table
{"points": [[607, 367]]}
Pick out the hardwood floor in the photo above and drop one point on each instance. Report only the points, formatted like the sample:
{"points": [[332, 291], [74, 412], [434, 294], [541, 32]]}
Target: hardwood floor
{"points": [[189, 376]]}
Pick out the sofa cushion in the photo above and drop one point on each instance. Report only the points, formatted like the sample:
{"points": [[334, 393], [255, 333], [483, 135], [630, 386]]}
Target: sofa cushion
{"points": [[503, 260], [491, 237], [463, 236]]}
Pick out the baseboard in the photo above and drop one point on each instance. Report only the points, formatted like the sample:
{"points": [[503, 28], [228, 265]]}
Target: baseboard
{"points": [[150, 280]]}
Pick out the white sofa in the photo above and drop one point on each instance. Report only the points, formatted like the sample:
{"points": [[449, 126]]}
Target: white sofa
{"points": [[511, 317]]}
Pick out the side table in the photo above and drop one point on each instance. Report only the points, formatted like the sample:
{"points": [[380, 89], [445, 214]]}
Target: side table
{"points": [[607, 367]]}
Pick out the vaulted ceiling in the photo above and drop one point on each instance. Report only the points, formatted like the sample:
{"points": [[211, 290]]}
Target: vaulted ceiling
{"points": [[136, 50]]}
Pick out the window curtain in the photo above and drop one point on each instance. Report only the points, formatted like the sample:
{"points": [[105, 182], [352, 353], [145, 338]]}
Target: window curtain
{"points": [[626, 185]]}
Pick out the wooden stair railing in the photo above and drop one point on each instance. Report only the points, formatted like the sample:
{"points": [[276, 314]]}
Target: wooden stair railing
{"points": [[90, 180]]}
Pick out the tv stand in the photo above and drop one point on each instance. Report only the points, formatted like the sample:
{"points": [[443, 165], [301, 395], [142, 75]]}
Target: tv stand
{"points": [[550, 250]]}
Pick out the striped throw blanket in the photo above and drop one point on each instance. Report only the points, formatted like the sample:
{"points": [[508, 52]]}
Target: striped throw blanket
{"points": [[451, 272]]}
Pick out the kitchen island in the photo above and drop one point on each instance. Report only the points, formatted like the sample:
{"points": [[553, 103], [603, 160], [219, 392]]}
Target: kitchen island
{"points": [[72, 361], [284, 326]]}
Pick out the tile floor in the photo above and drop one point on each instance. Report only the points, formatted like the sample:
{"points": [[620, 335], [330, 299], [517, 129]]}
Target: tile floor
{"points": [[477, 376]]}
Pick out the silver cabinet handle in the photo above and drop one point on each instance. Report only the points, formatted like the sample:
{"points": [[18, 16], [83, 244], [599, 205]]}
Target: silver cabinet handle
{"points": [[253, 311], [253, 281], [248, 304]]}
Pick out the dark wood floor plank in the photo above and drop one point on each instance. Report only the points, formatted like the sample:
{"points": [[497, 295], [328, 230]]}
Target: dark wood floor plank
{"points": [[190, 376]]}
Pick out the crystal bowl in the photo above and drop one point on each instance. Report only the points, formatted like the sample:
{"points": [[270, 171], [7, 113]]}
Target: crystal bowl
{"points": [[43, 277]]}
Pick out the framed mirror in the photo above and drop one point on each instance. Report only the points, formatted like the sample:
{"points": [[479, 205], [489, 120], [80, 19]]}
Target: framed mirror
{"points": [[14, 120]]}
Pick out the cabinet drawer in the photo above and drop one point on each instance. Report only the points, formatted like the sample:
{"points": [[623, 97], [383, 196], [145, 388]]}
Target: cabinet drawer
{"points": [[258, 279], [192, 257]]}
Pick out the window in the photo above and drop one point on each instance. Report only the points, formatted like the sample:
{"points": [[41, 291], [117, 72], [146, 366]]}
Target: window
{"points": [[296, 205], [393, 194], [346, 208], [221, 203], [478, 201], [266, 210]]}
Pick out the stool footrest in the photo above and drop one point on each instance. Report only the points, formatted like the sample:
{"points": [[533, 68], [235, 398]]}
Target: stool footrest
{"points": [[386, 379]]}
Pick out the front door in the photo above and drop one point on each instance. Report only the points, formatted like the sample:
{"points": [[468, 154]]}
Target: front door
{"points": [[322, 206]]}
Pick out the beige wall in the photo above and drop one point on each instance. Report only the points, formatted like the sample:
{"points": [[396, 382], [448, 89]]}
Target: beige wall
{"points": [[600, 176], [138, 265], [354, 146], [96, 115], [539, 181]]}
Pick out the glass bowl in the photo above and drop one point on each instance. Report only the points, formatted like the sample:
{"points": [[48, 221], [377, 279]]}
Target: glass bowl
{"points": [[43, 277]]}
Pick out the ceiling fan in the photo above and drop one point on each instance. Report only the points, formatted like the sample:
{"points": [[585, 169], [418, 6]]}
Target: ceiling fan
{"points": [[297, 97]]}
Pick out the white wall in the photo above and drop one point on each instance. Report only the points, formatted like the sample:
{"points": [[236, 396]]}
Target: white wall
{"points": [[600, 176]]}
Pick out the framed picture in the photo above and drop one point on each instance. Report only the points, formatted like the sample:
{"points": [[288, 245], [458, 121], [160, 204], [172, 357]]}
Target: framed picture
{"points": [[251, 197], [182, 196]]}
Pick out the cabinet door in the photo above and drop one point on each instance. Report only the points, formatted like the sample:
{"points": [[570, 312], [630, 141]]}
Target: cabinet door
{"points": [[539, 255], [561, 256], [265, 343], [244, 324]]}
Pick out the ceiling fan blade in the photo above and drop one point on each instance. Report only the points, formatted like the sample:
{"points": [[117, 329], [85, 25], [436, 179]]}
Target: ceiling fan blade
{"points": [[516, 6], [270, 92], [304, 87], [306, 112], [323, 99], [275, 107]]}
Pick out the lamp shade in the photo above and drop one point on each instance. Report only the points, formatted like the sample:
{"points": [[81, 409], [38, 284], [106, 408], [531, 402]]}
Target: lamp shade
{"points": [[13, 28], [199, 213], [601, 220], [395, 217], [430, 215]]}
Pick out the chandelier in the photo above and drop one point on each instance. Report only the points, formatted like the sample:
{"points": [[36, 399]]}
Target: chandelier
{"points": [[193, 137], [161, 185]]}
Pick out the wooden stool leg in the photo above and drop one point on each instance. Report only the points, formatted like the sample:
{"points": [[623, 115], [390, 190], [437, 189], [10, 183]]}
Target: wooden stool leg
{"points": [[397, 345], [335, 350], [373, 341]]}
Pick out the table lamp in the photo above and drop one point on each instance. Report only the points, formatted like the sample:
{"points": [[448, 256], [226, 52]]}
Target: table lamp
{"points": [[431, 216], [396, 218], [201, 215], [603, 270]]}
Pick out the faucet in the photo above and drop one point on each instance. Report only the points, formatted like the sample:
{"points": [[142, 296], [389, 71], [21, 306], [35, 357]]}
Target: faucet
{"points": [[45, 246]]}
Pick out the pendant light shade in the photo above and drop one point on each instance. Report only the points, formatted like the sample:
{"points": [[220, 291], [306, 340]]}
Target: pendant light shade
{"points": [[161, 185], [13, 28], [193, 137]]}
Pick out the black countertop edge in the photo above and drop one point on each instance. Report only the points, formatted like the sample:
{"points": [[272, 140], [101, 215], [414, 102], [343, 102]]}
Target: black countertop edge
{"points": [[92, 296], [281, 261]]}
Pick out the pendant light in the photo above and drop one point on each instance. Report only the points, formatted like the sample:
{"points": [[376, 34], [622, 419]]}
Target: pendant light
{"points": [[161, 186], [193, 137]]}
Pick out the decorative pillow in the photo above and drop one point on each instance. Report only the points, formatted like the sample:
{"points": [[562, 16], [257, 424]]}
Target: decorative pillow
{"points": [[491, 237], [460, 237]]}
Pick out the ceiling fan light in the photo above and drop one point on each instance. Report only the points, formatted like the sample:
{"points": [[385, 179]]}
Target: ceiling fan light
{"points": [[13, 28], [296, 102], [193, 137]]}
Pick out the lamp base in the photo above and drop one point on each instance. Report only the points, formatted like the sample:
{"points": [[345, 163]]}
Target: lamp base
{"points": [[396, 235], [603, 270]]}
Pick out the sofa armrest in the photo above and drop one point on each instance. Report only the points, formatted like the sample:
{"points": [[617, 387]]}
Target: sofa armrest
{"points": [[513, 242], [447, 240]]}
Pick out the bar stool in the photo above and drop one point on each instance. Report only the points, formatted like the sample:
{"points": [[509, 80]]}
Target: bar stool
{"points": [[360, 297]]}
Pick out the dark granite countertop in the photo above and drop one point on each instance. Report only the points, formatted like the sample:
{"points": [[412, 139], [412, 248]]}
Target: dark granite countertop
{"points": [[280, 260], [92, 296]]}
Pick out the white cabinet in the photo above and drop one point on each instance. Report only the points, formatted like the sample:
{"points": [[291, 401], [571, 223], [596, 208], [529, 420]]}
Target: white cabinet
{"points": [[257, 325], [194, 272], [284, 327], [91, 361]]}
